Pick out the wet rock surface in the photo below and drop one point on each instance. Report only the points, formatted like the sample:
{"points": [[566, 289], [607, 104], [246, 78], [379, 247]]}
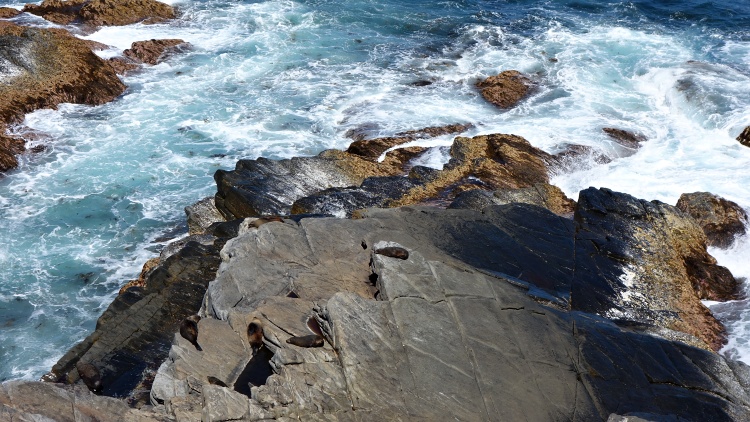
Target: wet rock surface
{"points": [[374, 148], [339, 183], [505, 89], [744, 137], [102, 12], [720, 219], [40, 68], [625, 138], [153, 51]]}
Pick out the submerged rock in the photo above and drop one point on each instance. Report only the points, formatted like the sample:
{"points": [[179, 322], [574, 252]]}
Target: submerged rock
{"points": [[720, 219], [153, 51], [42, 68], [625, 138], [102, 12], [744, 137], [506, 89]]}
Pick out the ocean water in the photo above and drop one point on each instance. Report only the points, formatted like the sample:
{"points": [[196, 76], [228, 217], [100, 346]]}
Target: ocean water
{"points": [[281, 78]]}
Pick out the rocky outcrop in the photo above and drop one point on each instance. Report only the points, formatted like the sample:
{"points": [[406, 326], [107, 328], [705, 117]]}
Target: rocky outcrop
{"points": [[102, 12], [37, 401], [540, 194], [505, 89], [339, 183], [666, 268], [153, 51], [134, 334], [744, 137], [720, 219], [8, 12], [41, 68], [373, 148], [481, 319], [625, 138], [201, 215]]}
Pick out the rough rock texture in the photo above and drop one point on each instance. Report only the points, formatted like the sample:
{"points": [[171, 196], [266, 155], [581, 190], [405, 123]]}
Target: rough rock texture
{"points": [[663, 253], [41, 68], [374, 148], [153, 51], [540, 194], [41, 401], [482, 321], [201, 215], [339, 183], [102, 12], [133, 335], [625, 138], [719, 218], [744, 137], [506, 89], [121, 65], [8, 12]]}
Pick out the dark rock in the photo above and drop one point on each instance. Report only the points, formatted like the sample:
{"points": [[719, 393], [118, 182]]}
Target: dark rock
{"points": [[201, 215], [102, 12], [541, 194], [154, 51], [41, 68], [720, 219], [374, 148], [506, 89], [625, 138], [744, 137], [8, 12], [90, 376], [134, 333], [658, 248]]}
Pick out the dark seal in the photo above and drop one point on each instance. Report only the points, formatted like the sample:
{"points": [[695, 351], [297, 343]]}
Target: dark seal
{"points": [[216, 381], [255, 334], [189, 330], [263, 220], [313, 340], [393, 252], [90, 376]]}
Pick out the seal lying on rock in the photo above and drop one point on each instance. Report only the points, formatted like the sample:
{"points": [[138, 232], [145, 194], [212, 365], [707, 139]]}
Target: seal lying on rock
{"points": [[313, 340], [216, 381], [90, 376], [393, 252], [189, 330], [263, 220], [255, 334]]}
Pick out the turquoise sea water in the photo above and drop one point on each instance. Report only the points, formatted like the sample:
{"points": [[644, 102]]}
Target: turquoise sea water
{"points": [[285, 78]]}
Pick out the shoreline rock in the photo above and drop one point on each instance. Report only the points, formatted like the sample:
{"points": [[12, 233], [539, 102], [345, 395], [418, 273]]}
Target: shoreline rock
{"points": [[505, 89], [46, 67], [97, 13], [720, 219]]}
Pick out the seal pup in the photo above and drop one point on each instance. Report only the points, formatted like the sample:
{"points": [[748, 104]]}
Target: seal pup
{"points": [[189, 330], [255, 334], [393, 252], [268, 219], [313, 340], [90, 376]]}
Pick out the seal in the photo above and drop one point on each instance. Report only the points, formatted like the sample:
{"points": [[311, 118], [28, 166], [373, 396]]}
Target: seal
{"points": [[90, 376], [255, 334], [268, 219], [189, 330], [313, 340], [216, 381], [393, 252]]}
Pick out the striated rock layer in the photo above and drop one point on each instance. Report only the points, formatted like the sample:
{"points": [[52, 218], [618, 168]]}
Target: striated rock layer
{"points": [[40, 68]]}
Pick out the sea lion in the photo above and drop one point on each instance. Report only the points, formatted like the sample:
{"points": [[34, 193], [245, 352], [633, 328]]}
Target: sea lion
{"points": [[255, 334], [216, 381], [189, 330], [268, 219], [313, 340], [90, 376], [393, 252]]}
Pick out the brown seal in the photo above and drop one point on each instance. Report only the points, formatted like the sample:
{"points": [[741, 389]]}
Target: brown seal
{"points": [[255, 334], [313, 340], [216, 381], [90, 376], [268, 219], [393, 252], [189, 330]]}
